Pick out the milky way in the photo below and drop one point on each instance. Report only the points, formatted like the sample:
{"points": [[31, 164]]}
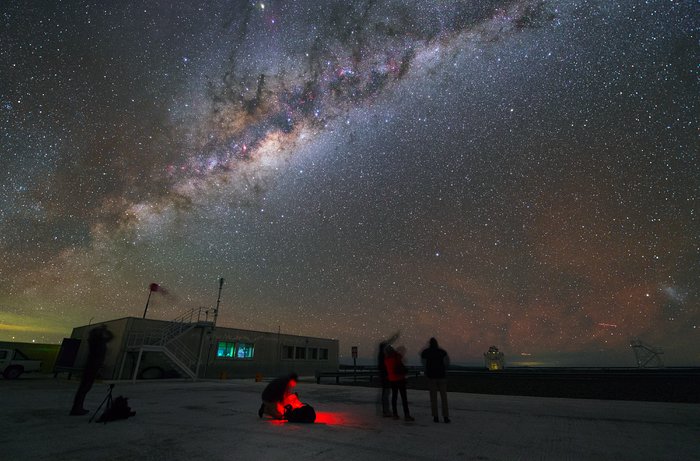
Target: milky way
{"points": [[514, 173]]}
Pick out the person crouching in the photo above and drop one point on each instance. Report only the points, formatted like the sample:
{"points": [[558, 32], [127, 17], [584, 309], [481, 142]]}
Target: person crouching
{"points": [[278, 394]]}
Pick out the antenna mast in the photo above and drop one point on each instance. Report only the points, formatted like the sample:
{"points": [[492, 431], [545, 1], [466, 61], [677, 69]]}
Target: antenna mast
{"points": [[218, 300]]}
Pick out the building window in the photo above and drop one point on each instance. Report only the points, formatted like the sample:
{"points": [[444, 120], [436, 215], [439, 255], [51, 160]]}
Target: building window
{"points": [[245, 351], [225, 349], [304, 353], [232, 350]]}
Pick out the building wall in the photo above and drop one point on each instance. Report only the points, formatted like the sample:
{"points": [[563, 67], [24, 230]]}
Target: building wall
{"points": [[270, 352], [269, 358]]}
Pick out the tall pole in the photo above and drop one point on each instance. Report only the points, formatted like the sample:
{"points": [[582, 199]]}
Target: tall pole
{"points": [[279, 352], [218, 300], [211, 329], [150, 292]]}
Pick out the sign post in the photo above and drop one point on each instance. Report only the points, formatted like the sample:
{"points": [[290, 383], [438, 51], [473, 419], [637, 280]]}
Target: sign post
{"points": [[354, 363]]}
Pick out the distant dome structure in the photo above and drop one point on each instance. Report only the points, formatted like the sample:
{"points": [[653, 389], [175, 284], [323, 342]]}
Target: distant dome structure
{"points": [[494, 359]]}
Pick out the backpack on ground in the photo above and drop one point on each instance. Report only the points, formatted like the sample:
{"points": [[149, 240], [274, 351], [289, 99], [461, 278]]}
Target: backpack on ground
{"points": [[303, 414], [119, 409]]}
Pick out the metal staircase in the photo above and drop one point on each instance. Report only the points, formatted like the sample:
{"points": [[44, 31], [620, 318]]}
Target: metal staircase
{"points": [[167, 341]]}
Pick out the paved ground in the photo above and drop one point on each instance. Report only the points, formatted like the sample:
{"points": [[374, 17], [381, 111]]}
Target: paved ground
{"points": [[217, 420]]}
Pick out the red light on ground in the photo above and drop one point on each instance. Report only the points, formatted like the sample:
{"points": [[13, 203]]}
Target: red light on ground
{"points": [[326, 417], [322, 417]]}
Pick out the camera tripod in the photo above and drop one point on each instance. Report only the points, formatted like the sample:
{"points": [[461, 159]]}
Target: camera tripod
{"points": [[106, 401]]}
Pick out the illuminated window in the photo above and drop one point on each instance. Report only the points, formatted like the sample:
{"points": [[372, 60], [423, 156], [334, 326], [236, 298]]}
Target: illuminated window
{"points": [[288, 352], [300, 353], [232, 350], [323, 354], [245, 351], [225, 349]]}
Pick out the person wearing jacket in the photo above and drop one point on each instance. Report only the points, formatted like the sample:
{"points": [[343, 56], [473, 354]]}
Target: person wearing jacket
{"points": [[383, 380], [97, 351], [436, 361], [396, 374]]}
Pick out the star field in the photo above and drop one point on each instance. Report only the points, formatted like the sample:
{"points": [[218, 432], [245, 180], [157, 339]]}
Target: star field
{"points": [[517, 173]]}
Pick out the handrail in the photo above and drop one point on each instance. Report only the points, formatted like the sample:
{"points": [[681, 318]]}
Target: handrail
{"points": [[182, 352], [370, 373], [174, 329], [166, 340], [181, 325]]}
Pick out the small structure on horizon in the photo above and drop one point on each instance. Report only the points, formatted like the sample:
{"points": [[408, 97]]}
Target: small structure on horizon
{"points": [[647, 356], [494, 359]]}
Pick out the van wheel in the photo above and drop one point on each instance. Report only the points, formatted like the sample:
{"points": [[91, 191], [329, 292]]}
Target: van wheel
{"points": [[12, 372], [152, 373]]}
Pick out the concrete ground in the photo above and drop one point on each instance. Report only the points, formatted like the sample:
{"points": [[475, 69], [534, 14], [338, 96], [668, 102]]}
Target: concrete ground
{"points": [[217, 420]]}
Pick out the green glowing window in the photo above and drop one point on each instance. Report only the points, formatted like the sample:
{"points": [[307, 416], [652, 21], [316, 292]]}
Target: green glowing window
{"points": [[245, 351], [225, 349], [233, 350]]}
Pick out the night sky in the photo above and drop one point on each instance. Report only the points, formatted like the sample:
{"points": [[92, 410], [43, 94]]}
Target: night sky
{"points": [[522, 174]]}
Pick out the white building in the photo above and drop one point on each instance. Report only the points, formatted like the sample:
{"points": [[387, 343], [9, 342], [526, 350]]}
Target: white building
{"points": [[191, 348]]}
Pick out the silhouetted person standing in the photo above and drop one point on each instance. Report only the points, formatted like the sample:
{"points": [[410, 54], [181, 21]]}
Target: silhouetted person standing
{"points": [[396, 373], [383, 380], [97, 350], [436, 362]]}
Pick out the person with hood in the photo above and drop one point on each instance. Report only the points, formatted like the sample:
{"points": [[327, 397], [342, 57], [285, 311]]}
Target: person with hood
{"points": [[383, 380], [277, 394], [396, 374], [97, 351], [436, 361]]}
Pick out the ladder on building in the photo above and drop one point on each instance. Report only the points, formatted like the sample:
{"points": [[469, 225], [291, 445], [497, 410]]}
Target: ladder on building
{"points": [[167, 341]]}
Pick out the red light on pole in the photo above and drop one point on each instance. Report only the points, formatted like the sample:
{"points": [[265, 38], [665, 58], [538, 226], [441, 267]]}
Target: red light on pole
{"points": [[151, 288]]}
